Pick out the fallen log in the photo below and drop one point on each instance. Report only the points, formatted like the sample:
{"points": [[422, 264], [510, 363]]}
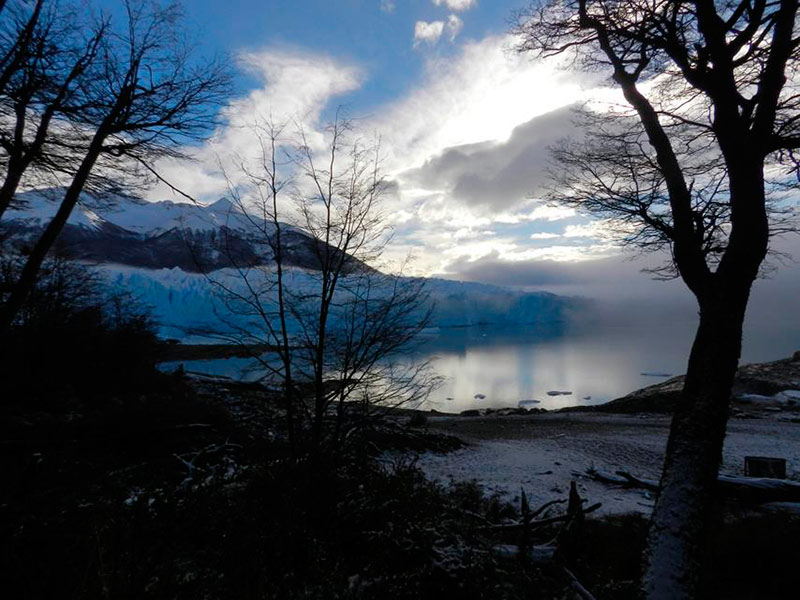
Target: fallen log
{"points": [[648, 484], [759, 489], [751, 489]]}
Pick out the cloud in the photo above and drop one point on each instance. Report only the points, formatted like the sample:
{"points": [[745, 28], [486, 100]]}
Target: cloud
{"points": [[457, 5], [545, 212], [477, 96], [428, 33], [499, 175], [543, 235], [466, 152], [595, 229], [454, 26], [387, 6], [295, 86]]}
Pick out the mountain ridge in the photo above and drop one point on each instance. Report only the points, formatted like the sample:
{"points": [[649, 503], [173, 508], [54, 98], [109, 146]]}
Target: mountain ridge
{"points": [[126, 230]]}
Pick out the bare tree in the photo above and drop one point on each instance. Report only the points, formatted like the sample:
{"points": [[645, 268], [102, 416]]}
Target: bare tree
{"points": [[712, 90], [337, 327], [143, 97], [47, 54]]}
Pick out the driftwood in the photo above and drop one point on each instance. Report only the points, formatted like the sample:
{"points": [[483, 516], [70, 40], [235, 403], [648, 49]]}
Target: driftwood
{"points": [[751, 489], [559, 553], [759, 489], [539, 523], [622, 478]]}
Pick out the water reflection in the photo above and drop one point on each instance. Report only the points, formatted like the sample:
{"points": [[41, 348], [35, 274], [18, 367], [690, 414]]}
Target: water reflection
{"points": [[485, 366], [595, 364]]}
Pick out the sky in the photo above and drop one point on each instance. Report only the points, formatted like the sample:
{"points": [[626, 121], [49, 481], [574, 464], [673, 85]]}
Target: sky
{"points": [[464, 121], [465, 125]]}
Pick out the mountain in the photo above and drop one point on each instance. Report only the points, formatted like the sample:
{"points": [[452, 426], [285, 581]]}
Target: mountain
{"points": [[174, 255], [156, 235]]}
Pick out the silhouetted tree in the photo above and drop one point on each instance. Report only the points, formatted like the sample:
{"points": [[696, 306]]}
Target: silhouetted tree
{"points": [[141, 97], [338, 327], [712, 89], [47, 56]]}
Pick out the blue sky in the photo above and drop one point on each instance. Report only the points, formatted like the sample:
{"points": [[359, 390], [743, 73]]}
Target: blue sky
{"points": [[465, 122], [377, 34]]}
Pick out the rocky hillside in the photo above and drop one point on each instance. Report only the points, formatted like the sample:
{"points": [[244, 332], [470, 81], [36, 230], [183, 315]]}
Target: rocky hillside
{"points": [[155, 235], [769, 386]]}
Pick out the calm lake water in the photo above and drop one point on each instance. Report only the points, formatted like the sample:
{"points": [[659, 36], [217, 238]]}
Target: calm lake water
{"points": [[485, 366]]}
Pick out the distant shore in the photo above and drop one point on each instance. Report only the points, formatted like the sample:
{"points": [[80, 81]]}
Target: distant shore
{"points": [[174, 352]]}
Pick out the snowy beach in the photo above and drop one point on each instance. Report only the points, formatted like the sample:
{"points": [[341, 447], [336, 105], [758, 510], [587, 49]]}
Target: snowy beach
{"points": [[542, 453]]}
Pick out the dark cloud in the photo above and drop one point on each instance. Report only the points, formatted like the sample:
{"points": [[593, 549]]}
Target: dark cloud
{"points": [[498, 175]]}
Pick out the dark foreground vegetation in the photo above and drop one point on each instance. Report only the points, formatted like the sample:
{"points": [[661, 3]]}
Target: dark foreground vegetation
{"points": [[119, 481], [186, 490]]}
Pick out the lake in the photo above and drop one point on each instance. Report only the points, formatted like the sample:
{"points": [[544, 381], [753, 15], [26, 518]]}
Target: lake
{"points": [[485, 366]]}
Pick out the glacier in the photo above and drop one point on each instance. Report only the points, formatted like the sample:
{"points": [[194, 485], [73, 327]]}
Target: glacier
{"points": [[185, 304]]}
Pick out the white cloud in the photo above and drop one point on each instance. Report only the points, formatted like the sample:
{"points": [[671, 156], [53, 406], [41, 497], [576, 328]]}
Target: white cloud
{"points": [[480, 95], [454, 26], [387, 6], [595, 229], [550, 213], [428, 32], [545, 236], [457, 5], [296, 86]]}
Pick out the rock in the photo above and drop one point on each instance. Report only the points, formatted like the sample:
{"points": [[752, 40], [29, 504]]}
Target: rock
{"points": [[472, 412], [796, 356]]}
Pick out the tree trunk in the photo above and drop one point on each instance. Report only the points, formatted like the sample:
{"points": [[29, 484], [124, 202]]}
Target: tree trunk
{"points": [[10, 185], [27, 280], [686, 504]]}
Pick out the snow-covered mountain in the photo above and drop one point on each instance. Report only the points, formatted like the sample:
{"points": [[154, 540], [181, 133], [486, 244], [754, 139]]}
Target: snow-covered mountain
{"points": [[129, 231], [169, 254]]}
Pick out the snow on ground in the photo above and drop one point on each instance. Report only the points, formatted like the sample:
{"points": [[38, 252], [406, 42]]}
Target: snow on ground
{"points": [[542, 453]]}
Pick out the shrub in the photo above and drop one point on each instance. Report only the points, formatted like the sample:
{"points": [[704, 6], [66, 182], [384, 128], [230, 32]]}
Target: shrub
{"points": [[73, 338]]}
